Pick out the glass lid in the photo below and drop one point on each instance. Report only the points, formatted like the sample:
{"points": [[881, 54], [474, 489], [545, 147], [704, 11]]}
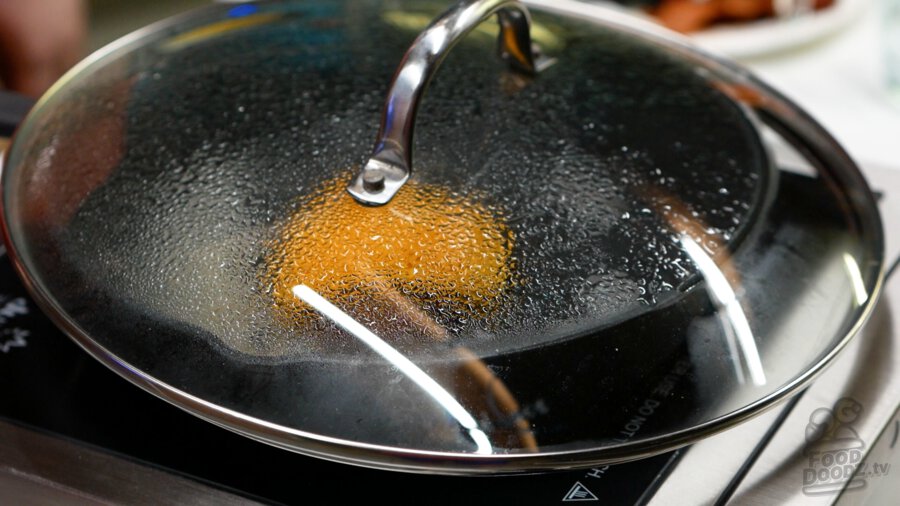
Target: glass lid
{"points": [[582, 253]]}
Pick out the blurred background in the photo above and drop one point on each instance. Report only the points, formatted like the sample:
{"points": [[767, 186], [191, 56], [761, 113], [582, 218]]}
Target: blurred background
{"points": [[839, 59]]}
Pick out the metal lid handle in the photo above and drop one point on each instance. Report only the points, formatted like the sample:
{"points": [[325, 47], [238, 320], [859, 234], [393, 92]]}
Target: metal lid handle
{"points": [[391, 162]]}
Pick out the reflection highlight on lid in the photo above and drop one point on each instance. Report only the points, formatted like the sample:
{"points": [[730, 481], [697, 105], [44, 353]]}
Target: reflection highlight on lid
{"points": [[856, 279], [740, 338], [405, 365]]}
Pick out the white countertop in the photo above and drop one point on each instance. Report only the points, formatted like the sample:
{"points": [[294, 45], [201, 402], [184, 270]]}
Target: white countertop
{"points": [[839, 80]]}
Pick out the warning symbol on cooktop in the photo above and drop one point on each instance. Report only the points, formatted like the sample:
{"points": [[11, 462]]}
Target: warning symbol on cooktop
{"points": [[579, 492]]}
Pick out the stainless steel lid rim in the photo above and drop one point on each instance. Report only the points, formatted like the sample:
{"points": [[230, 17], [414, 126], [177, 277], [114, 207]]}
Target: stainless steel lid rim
{"points": [[832, 164]]}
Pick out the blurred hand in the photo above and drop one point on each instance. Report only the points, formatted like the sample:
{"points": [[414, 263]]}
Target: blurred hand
{"points": [[39, 41]]}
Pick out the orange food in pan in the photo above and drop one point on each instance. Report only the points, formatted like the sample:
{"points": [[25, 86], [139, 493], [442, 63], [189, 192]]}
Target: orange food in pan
{"points": [[426, 244]]}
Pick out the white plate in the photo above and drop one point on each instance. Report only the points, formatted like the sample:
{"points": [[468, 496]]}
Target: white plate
{"points": [[756, 38], [765, 36]]}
